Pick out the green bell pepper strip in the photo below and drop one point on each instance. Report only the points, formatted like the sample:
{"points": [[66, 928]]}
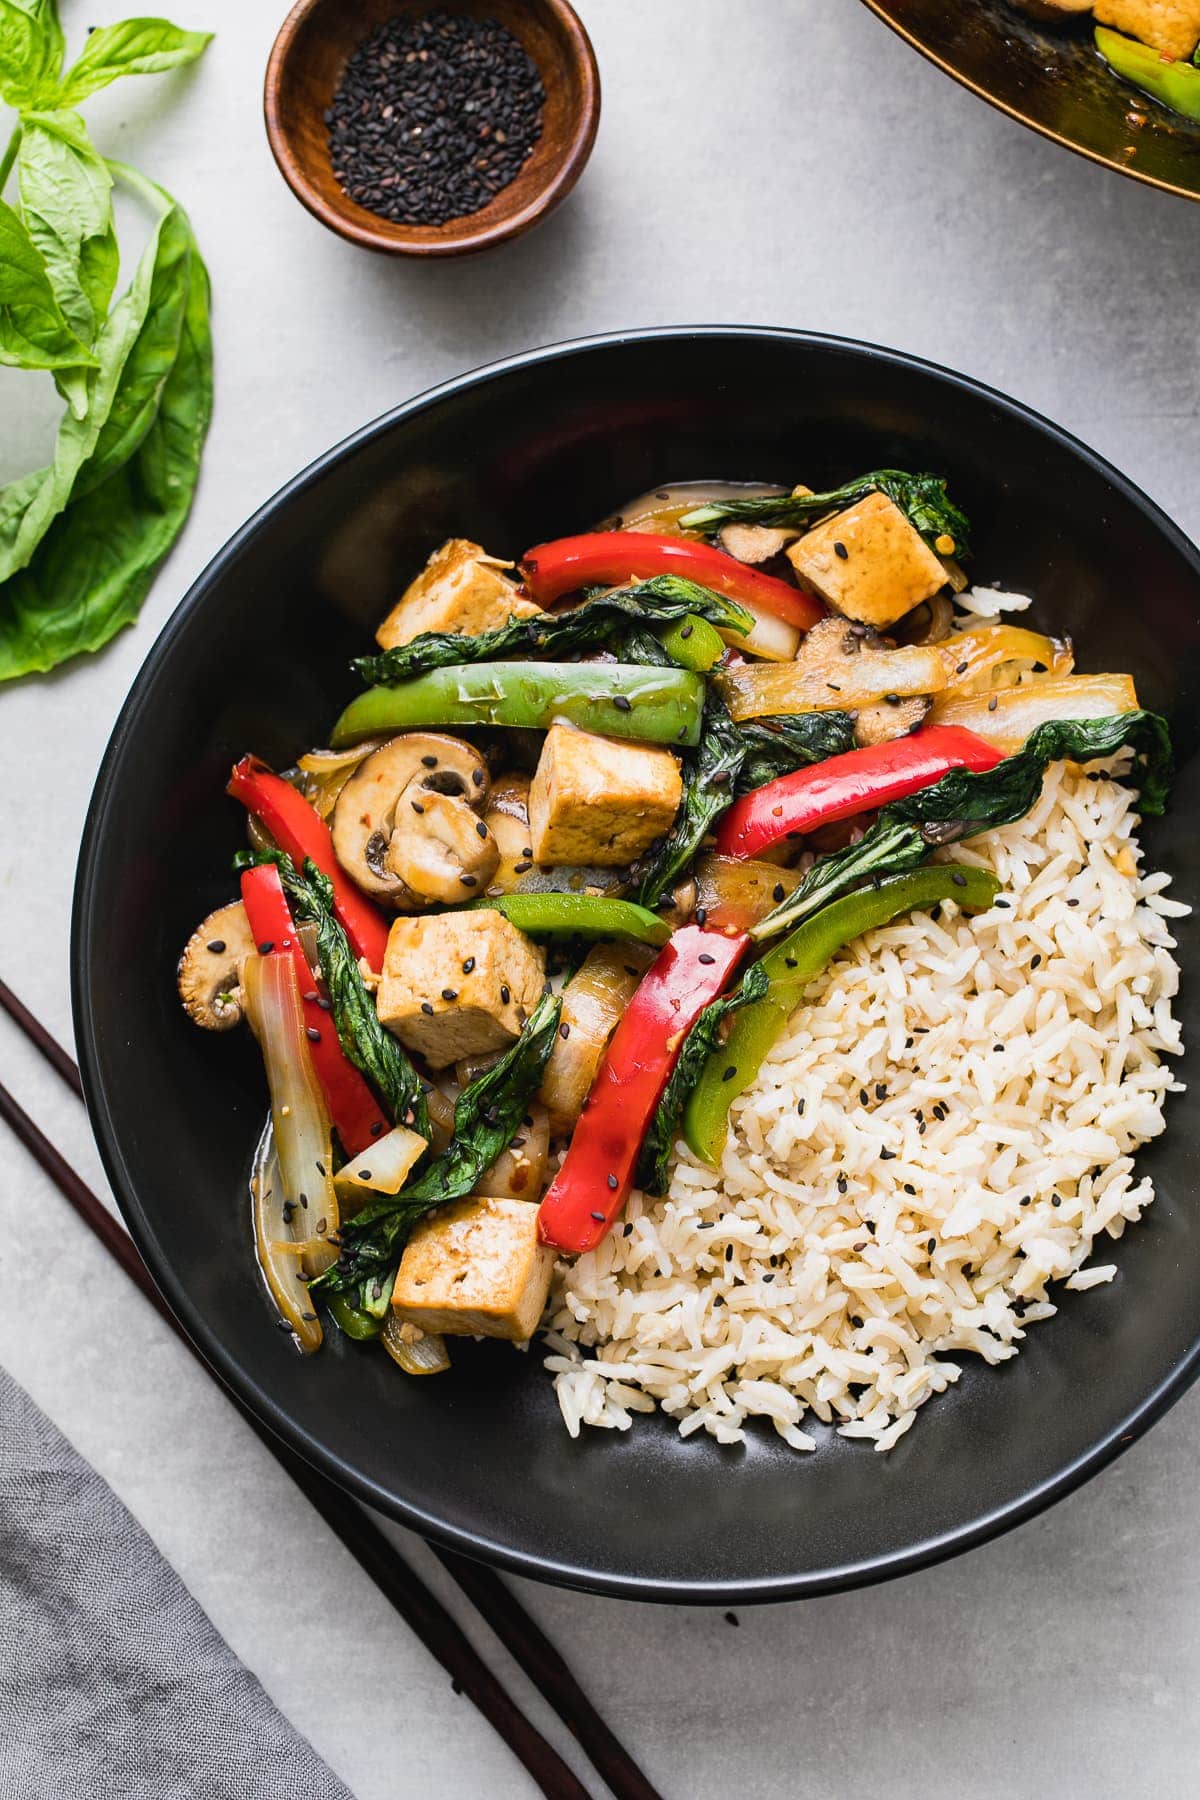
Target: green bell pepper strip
{"points": [[693, 643], [791, 965], [1175, 84], [359, 1325], [579, 915], [621, 700]]}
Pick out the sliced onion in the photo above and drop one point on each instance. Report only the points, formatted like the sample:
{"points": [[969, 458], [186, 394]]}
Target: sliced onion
{"points": [[298, 1202], [279, 1257], [769, 637], [736, 892], [323, 763], [928, 623], [439, 1100], [382, 1168], [1008, 715], [519, 1173], [593, 1001], [662, 508], [424, 1354], [994, 655]]}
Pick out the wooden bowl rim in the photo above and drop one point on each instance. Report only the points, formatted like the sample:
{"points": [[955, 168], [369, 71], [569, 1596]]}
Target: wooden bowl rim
{"points": [[461, 237]]}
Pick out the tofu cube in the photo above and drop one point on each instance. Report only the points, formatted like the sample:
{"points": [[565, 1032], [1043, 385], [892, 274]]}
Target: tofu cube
{"points": [[869, 562], [1171, 27], [460, 589], [475, 1268], [493, 973], [599, 800]]}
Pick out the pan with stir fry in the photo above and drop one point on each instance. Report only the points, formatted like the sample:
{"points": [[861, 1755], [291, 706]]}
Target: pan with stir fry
{"points": [[550, 895]]}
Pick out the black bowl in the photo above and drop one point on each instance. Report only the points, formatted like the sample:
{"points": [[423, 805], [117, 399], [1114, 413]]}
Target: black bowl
{"points": [[1052, 78], [256, 658]]}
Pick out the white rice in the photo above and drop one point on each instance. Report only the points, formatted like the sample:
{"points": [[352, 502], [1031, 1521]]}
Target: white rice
{"points": [[763, 1291]]}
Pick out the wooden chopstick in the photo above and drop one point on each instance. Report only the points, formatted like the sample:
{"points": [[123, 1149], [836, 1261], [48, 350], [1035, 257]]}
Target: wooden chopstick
{"points": [[529, 1646], [415, 1603], [501, 1610]]}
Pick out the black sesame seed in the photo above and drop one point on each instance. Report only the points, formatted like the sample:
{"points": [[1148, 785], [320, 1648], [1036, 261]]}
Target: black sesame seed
{"points": [[427, 1008], [887, 1156], [1035, 961], [217, 946], [842, 1184], [481, 828], [477, 777], [522, 868], [701, 915], [468, 965], [685, 631], [417, 807], [312, 1034], [613, 1183], [505, 996], [864, 1097], [778, 891], [909, 1188], [265, 949], [959, 880], [1072, 902], [564, 1031], [841, 551], [376, 1127], [729, 1073], [729, 1253], [430, 762], [800, 1106], [469, 880], [599, 1217], [993, 703], [364, 1174], [622, 704], [962, 668], [880, 1090], [705, 958], [449, 993]]}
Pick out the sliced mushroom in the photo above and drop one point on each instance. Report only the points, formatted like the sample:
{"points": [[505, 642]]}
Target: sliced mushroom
{"points": [[440, 848], [507, 818], [876, 724], [755, 543], [210, 969], [391, 784]]}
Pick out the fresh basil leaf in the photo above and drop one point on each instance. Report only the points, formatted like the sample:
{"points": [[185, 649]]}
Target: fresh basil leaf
{"points": [[34, 333], [92, 570], [66, 203], [136, 351], [134, 47], [31, 50]]}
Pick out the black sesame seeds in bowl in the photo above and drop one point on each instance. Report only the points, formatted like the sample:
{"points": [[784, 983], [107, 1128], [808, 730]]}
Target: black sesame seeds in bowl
{"points": [[434, 114], [431, 130]]}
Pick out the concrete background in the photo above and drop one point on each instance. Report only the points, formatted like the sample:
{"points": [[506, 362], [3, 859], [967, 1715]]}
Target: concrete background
{"points": [[775, 162]]}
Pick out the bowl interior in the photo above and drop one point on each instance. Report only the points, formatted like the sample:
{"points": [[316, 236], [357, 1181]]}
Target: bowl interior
{"points": [[1051, 77], [256, 658], [306, 67]]}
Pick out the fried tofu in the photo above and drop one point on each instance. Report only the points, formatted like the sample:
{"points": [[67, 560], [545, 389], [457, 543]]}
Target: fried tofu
{"points": [[458, 984], [475, 1268], [600, 800], [869, 562], [1171, 27], [460, 589]]}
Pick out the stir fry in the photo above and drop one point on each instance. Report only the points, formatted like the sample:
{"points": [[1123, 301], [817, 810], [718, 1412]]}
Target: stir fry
{"points": [[548, 898], [1153, 44]]}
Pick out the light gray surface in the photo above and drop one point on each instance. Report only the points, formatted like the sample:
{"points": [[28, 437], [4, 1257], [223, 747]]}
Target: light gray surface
{"points": [[770, 161]]}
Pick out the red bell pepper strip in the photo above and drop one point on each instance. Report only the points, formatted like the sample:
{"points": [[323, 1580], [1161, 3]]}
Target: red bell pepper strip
{"points": [[302, 833], [352, 1106], [608, 558], [593, 1184], [842, 786]]}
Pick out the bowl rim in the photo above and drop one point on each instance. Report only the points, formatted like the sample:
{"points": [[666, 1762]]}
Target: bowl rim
{"points": [[911, 38], [386, 238], [87, 900]]}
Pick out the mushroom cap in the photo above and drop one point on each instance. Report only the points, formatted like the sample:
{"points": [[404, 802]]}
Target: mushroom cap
{"points": [[210, 969], [440, 848], [364, 817]]}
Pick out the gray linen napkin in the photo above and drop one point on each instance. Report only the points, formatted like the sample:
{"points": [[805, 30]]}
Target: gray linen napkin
{"points": [[114, 1685]]}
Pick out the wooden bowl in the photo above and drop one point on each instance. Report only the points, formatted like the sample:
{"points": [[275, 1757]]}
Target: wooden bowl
{"points": [[1052, 79], [306, 64]]}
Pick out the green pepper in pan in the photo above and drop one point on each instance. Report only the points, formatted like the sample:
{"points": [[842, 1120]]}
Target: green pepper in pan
{"points": [[651, 705], [791, 965], [579, 915], [1176, 84]]}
